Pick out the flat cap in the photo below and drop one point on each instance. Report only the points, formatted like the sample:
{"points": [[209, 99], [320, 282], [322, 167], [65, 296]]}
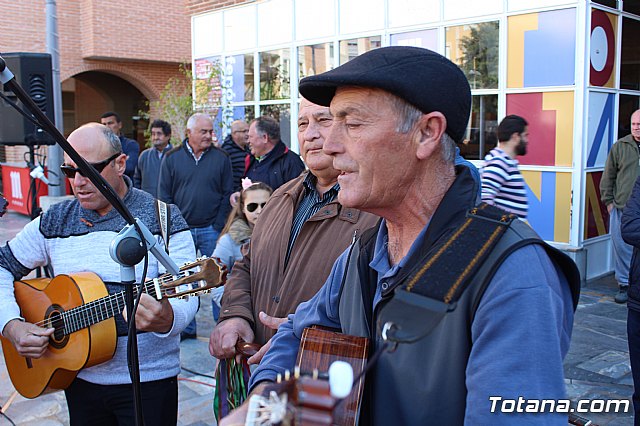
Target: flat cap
{"points": [[423, 78]]}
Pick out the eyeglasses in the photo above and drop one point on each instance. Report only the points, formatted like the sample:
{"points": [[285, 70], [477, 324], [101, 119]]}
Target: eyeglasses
{"points": [[251, 207], [241, 131], [70, 172]]}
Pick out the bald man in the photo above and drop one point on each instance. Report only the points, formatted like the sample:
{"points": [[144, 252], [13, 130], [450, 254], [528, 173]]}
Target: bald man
{"points": [[75, 236]]}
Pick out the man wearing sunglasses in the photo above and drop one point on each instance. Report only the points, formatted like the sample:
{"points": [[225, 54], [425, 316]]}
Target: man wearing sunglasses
{"points": [[75, 236]]}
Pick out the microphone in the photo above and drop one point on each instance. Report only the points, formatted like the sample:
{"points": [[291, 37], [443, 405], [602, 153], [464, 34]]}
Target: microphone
{"points": [[38, 173]]}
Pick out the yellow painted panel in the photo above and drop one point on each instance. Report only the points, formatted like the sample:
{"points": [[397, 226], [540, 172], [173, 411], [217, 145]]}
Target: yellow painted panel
{"points": [[614, 23], [534, 181], [517, 26], [562, 104], [562, 222]]}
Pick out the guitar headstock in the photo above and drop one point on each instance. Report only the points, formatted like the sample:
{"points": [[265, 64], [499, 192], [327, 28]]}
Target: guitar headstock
{"points": [[3, 205], [305, 399], [195, 278]]}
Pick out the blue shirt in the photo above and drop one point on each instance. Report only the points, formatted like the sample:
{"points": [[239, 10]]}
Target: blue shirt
{"points": [[460, 161], [520, 334]]}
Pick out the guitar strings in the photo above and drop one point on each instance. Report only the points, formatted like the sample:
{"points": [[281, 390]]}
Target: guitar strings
{"points": [[75, 316]]}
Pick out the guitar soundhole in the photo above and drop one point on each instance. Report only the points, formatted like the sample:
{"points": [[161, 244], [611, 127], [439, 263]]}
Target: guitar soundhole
{"points": [[54, 316]]}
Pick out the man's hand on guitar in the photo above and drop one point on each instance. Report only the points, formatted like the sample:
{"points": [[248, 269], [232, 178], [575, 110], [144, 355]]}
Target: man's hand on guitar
{"points": [[29, 340], [222, 342], [273, 323], [153, 315]]}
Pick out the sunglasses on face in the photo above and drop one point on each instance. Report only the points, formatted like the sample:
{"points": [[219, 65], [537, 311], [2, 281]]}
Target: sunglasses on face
{"points": [[70, 172], [251, 207]]}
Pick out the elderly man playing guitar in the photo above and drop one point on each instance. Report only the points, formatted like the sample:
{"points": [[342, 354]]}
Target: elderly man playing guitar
{"points": [[74, 237]]}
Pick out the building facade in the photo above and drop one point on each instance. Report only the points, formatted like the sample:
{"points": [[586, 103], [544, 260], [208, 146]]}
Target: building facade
{"points": [[570, 67]]}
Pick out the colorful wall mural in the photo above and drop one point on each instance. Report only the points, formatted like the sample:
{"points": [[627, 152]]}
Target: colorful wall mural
{"points": [[603, 49], [536, 40], [549, 196], [550, 118]]}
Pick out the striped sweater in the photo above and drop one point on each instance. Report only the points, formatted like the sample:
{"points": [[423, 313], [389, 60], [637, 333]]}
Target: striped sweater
{"points": [[502, 183]]}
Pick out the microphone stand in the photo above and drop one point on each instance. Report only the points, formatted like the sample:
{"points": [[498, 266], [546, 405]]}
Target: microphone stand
{"points": [[127, 248]]}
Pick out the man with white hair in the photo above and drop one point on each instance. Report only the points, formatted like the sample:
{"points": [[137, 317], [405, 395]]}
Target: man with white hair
{"points": [[197, 177]]}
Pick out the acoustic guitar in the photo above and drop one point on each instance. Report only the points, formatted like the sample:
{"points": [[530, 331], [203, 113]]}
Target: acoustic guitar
{"points": [[303, 397], [82, 312]]}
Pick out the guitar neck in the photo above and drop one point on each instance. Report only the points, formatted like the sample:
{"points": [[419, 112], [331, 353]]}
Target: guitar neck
{"points": [[98, 310]]}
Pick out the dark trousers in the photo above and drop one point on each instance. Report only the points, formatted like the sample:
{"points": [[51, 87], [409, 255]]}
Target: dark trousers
{"points": [[97, 405], [633, 334]]}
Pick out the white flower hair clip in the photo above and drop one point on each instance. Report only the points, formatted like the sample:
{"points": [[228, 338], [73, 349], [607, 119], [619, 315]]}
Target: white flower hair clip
{"points": [[246, 183]]}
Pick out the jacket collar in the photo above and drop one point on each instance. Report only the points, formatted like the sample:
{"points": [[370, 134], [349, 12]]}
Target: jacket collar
{"points": [[296, 192]]}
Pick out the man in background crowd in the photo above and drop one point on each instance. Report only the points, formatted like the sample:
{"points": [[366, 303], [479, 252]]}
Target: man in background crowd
{"points": [[271, 162], [619, 176], [502, 184], [235, 144], [197, 177], [148, 168], [129, 146]]}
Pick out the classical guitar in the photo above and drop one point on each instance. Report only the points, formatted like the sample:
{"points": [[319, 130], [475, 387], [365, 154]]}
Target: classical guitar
{"points": [[303, 398], [82, 313]]}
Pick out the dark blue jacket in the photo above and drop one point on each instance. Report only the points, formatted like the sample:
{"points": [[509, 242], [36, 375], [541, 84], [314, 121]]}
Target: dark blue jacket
{"points": [[201, 191], [148, 170], [132, 149], [280, 166], [631, 234]]}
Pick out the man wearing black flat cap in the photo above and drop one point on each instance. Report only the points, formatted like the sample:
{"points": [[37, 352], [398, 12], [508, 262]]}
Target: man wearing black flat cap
{"points": [[439, 280]]}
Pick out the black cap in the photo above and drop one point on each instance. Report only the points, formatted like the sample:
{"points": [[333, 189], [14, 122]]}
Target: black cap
{"points": [[425, 79]]}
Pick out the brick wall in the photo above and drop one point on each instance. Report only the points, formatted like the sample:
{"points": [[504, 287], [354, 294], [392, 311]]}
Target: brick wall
{"points": [[141, 42], [195, 7]]}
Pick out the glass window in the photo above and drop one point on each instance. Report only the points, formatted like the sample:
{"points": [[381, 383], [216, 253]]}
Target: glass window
{"points": [[426, 38], [628, 104], [223, 118], [631, 6], [207, 34], [610, 3], [413, 12], [274, 74], [475, 49], [455, 9], [282, 113], [361, 15], [630, 58], [481, 134], [315, 19], [238, 78], [349, 49], [270, 12], [208, 89], [239, 28], [315, 59]]}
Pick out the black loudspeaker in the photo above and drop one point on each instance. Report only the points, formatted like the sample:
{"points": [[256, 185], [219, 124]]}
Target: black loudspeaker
{"points": [[33, 73]]}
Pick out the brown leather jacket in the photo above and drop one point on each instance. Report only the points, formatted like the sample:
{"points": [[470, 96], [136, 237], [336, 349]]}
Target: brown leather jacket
{"points": [[259, 281]]}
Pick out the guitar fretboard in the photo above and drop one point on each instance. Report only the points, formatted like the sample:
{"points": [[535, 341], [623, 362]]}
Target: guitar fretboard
{"points": [[104, 308]]}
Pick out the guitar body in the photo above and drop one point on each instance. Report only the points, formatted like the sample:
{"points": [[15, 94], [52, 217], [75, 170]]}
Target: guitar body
{"points": [[42, 299], [319, 348]]}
